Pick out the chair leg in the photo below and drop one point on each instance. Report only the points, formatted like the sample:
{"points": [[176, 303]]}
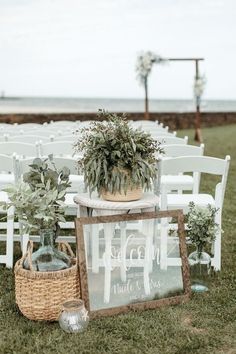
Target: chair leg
{"points": [[10, 235], [163, 243], [147, 260], [123, 251], [108, 232], [216, 261], [95, 247]]}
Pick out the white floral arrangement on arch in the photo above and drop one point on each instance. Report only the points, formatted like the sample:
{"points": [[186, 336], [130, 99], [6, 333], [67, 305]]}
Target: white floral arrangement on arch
{"points": [[199, 86], [144, 64]]}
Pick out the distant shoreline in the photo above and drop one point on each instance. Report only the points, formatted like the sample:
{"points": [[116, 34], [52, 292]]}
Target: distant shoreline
{"points": [[175, 121], [54, 105]]}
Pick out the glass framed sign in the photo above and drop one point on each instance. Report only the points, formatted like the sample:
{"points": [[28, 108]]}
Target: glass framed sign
{"points": [[132, 261]]}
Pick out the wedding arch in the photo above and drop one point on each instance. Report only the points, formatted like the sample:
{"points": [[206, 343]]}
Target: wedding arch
{"points": [[144, 67]]}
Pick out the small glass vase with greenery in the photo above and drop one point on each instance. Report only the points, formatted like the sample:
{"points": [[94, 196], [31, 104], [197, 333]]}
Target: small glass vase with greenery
{"points": [[39, 206], [116, 157], [201, 231]]}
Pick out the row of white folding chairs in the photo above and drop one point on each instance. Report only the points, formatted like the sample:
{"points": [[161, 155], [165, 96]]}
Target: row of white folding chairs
{"points": [[65, 149], [67, 140], [72, 124]]}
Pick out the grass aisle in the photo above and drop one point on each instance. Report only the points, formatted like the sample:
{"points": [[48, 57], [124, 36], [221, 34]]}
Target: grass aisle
{"points": [[207, 324]]}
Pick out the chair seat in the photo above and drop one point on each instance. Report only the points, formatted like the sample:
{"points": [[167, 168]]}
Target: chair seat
{"points": [[181, 201], [178, 182], [5, 179]]}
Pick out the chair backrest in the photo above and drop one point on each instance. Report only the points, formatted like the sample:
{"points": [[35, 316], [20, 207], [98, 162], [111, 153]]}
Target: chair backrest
{"points": [[174, 150], [201, 164], [163, 133], [29, 126], [57, 148], [164, 140], [44, 132], [18, 148], [70, 162], [32, 139]]}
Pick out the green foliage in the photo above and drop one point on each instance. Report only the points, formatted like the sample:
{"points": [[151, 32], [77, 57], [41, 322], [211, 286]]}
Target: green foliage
{"points": [[201, 225], [39, 199], [116, 156]]}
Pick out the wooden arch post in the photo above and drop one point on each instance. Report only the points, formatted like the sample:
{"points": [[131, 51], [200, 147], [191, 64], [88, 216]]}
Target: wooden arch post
{"points": [[198, 135], [146, 115]]}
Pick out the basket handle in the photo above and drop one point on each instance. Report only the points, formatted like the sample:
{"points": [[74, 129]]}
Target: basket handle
{"points": [[65, 247], [28, 254]]}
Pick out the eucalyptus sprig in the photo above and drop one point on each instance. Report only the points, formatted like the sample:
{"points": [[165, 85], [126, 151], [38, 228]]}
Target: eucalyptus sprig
{"points": [[201, 225], [39, 199], [116, 156]]}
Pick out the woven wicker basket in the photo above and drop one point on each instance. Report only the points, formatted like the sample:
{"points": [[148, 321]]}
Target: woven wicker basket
{"points": [[40, 295], [131, 194]]}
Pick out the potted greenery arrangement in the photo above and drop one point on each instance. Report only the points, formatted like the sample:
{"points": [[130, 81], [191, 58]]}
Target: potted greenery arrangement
{"points": [[39, 206], [201, 231], [118, 161]]}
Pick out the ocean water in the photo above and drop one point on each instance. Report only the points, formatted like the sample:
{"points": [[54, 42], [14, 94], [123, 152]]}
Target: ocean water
{"points": [[83, 105]]}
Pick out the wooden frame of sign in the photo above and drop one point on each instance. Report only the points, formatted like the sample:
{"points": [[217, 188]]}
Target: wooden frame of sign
{"points": [[140, 304]]}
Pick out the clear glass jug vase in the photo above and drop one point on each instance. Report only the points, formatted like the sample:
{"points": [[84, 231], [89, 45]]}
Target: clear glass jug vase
{"points": [[200, 267], [47, 258]]}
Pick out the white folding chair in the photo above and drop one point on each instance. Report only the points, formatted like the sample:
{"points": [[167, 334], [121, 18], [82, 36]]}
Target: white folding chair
{"points": [[170, 201], [7, 226]]}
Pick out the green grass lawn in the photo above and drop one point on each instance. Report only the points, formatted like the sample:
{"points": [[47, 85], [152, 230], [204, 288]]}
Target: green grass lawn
{"points": [[206, 324]]}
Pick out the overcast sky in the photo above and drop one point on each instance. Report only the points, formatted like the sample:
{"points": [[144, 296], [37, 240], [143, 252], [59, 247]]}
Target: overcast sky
{"points": [[88, 48]]}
